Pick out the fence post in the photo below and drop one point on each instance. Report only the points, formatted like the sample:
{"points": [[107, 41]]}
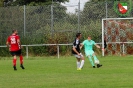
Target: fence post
{"points": [[24, 20], [123, 48], [52, 19], [58, 52], [102, 37], [26, 51], [106, 6], [79, 16]]}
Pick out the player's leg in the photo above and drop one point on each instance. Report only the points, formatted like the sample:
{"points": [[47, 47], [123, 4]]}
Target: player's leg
{"points": [[82, 61], [105, 49], [14, 59], [21, 59], [21, 62], [14, 62], [97, 62], [89, 56], [78, 62], [91, 61]]}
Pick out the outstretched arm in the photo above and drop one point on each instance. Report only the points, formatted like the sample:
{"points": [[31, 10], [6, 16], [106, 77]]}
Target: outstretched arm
{"points": [[97, 46], [81, 45]]}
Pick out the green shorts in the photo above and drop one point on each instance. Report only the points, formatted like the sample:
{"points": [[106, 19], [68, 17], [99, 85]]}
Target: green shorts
{"points": [[89, 52]]}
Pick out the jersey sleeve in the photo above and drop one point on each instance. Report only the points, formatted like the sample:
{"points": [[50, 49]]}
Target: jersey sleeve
{"points": [[74, 43], [84, 42], [17, 37]]}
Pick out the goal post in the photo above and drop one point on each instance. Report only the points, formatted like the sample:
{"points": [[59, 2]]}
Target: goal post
{"points": [[117, 32]]}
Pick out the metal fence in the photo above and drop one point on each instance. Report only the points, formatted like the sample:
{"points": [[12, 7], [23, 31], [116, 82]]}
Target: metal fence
{"points": [[52, 24]]}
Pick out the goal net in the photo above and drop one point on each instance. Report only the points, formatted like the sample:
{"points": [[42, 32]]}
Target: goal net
{"points": [[118, 33]]}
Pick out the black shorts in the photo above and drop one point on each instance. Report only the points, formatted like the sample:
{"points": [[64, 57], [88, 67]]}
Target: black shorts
{"points": [[17, 53]]}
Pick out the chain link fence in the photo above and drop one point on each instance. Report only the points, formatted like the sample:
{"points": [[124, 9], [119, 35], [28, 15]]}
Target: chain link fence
{"points": [[52, 24]]}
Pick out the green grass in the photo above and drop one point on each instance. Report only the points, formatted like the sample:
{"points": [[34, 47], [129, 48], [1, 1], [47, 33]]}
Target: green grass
{"points": [[50, 72]]}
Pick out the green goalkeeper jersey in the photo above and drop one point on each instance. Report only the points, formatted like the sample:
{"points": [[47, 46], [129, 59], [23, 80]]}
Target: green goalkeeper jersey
{"points": [[88, 44]]}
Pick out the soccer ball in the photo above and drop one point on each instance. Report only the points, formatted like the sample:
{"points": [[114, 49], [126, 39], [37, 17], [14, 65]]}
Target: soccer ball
{"points": [[96, 61]]}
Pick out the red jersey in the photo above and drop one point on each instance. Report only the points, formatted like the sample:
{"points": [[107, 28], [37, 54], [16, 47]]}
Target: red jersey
{"points": [[12, 40]]}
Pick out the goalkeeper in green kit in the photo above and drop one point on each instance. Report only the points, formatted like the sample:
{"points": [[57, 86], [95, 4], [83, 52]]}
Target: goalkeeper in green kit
{"points": [[88, 45]]}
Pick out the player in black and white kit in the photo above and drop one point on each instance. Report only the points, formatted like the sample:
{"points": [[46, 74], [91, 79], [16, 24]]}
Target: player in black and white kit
{"points": [[76, 52]]}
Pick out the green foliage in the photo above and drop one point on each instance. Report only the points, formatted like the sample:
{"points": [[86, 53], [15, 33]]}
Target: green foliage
{"points": [[1, 3], [96, 11], [56, 38], [40, 31], [35, 2], [4, 52]]}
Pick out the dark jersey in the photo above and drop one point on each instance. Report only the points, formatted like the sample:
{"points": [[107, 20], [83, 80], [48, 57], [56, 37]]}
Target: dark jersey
{"points": [[76, 44], [105, 45]]}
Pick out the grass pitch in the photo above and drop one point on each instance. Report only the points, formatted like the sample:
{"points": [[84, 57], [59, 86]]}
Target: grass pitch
{"points": [[50, 72]]}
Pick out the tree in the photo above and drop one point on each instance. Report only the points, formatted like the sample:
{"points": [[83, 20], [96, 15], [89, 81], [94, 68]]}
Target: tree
{"points": [[1, 3], [93, 11], [35, 2]]}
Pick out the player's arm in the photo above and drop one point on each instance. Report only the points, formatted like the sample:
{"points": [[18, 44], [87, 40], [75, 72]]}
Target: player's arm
{"points": [[99, 47], [74, 49], [96, 45], [81, 45], [7, 44], [18, 41]]}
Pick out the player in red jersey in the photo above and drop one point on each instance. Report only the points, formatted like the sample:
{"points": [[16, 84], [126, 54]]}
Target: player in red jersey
{"points": [[13, 42]]}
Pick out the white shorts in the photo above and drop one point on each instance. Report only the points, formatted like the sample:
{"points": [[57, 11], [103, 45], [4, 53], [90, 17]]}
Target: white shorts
{"points": [[77, 56]]}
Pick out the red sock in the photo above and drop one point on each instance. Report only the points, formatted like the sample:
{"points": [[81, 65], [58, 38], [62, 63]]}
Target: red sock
{"points": [[14, 62], [21, 59]]}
